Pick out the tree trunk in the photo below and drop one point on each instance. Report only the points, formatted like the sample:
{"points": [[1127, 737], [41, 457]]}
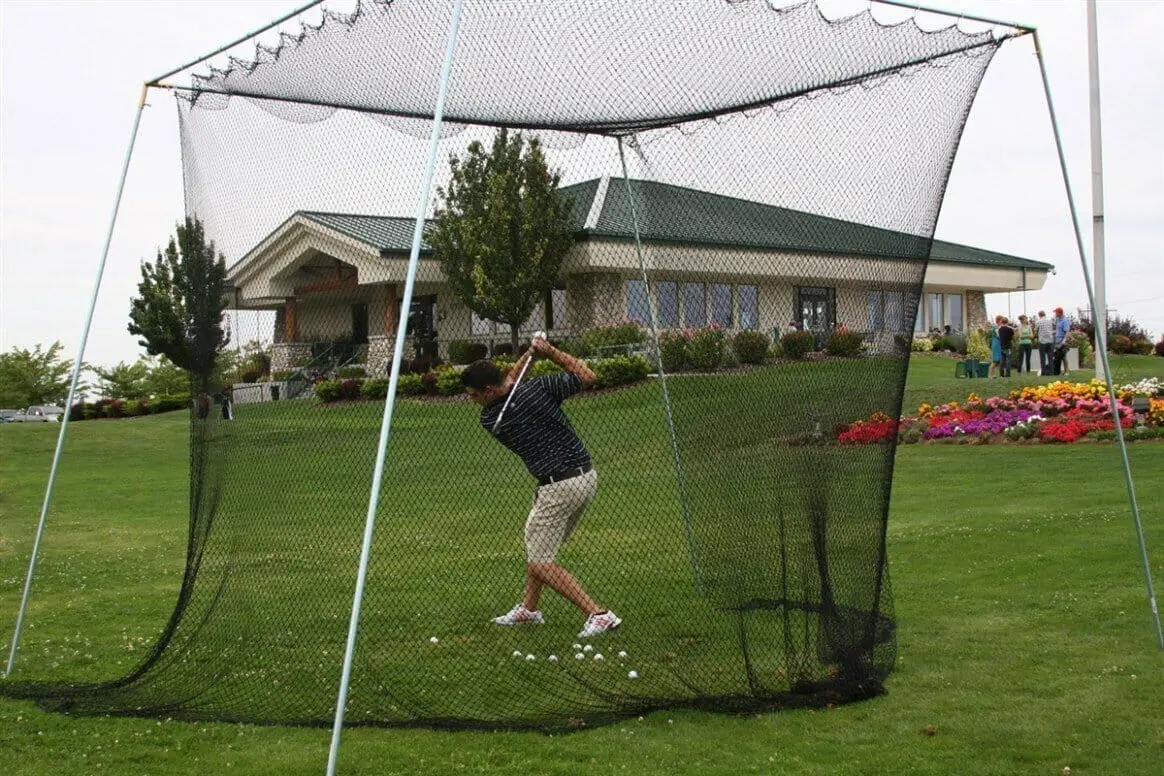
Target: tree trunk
{"points": [[513, 329]]}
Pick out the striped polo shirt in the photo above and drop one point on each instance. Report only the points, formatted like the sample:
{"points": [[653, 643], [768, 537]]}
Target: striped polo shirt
{"points": [[535, 427]]}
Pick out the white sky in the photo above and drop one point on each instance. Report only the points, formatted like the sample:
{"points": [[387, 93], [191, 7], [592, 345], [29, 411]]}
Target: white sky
{"points": [[72, 73]]}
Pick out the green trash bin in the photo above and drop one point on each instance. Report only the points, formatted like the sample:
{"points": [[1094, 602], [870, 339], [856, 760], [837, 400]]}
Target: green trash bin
{"points": [[970, 366], [983, 369]]}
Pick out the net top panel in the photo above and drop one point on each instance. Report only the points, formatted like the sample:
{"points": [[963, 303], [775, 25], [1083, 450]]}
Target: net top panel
{"points": [[604, 66]]}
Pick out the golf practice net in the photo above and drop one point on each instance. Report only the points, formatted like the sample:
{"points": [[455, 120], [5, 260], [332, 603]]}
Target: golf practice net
{"points": [[735, 172]]}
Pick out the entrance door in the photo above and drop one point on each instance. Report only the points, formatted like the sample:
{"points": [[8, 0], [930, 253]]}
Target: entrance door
{"points": [[817, 308], [422, 324], [360, 323]]}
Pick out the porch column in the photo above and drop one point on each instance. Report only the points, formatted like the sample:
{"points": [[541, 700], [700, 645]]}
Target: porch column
{"points": [[391, 309], [290, 321]]}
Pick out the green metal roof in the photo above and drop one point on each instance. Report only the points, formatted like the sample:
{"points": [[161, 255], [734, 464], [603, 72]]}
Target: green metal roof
{"points": [[674, 214]]}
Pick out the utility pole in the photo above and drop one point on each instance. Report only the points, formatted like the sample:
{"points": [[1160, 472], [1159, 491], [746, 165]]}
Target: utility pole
{"points": [[1099, 314]]}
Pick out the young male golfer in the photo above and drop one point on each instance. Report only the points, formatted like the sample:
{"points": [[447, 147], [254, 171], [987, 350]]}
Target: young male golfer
{"points": [[534, 427]]}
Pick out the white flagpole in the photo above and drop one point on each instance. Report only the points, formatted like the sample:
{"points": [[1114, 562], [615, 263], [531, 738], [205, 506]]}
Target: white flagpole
{"points": [[1099, 311], [390, 402]]}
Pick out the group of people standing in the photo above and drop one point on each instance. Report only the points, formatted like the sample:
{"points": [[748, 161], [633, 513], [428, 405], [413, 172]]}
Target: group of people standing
{"points": [[1049, 334]]}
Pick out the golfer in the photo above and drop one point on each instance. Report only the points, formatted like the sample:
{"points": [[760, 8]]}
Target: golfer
{"points": [[534, 427]]}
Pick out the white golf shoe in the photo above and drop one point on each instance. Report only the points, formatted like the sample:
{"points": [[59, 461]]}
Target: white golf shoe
{"points": [[519, 615], [597, 624]]}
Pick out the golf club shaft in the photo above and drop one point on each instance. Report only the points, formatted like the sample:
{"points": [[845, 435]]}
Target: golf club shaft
{"points": [[528, 356]]}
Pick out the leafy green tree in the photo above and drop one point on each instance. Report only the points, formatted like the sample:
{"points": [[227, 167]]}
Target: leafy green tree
{"points": [[124, 381], [36, 376], [165, 378], [502, 230], [178, 310]]}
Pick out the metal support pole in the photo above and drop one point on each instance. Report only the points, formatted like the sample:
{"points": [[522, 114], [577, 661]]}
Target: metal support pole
{"points": [[1101, 346], [77, 363], [390, 402], [662, 378], [1099, 308]]}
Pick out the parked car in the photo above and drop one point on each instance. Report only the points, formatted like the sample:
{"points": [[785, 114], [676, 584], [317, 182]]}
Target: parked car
{"points": [[39, 414], [6, 416]]}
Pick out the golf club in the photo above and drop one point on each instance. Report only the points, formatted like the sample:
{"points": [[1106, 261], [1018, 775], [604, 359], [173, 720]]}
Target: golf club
{"points": [[536, 335]]}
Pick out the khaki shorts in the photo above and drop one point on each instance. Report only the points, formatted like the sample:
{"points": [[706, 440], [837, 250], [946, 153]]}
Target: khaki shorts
{"points": [[557, 509]]}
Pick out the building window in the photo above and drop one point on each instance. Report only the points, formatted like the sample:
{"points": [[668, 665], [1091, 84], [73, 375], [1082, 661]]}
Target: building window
{"points": [[936, 308], [876, 310], [556, 309], [638, 307], [667, 299], [954, 311], [536, 319], [480, 325], [749, 301], [886, 311], [694, 305], [721, 305]]}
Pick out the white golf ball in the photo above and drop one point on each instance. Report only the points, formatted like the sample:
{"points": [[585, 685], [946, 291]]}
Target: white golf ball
{"points": [[579, 656], [598, 656], [517, 653], [433, 640], [577, 646], [622, 653], [588, 648], [530, 657], [552, 658], [632, 675]]}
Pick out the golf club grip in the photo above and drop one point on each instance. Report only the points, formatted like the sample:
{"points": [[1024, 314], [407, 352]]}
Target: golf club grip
{"points": [[517, 382]]}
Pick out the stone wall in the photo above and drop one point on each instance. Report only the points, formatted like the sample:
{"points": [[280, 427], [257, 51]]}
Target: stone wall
{"points": [[286, 355]]}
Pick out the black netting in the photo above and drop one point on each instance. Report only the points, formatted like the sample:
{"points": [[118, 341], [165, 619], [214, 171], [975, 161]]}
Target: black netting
{"points": [[783, 175]]}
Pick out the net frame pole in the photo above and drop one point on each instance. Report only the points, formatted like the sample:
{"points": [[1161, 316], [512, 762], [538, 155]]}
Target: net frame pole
{"points": [[390, 401], [662, 375], [77, 364], [1100, 345]]}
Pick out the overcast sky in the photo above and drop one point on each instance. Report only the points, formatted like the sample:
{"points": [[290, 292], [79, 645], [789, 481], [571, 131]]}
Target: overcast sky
{"points": [[72, 73]]}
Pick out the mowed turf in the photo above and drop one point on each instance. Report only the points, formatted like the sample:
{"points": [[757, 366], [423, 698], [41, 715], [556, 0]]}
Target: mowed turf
{"points": [[1020, 603]]}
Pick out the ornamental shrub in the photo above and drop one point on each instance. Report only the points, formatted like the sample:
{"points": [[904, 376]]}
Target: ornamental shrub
{"points": [[375, 388], [459, 352], [921, 345], [349, 389], [844, 343], [169, 403], [1142, 347], [409, 385], [449, 382], [796, 344], [346, 372], [327, 390], [1160, 347], [673, 350], [978, 345], [620, 370], [705, 348], [614, 335], [544, 367], [285, 374], [751, 347], [1120, 344]]}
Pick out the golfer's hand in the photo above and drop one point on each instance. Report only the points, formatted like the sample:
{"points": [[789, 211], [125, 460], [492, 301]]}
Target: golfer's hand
{"points": [[541, 347]]}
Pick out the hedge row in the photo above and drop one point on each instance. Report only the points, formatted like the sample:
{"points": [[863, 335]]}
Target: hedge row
{"points": [[446, 381], [127, 408]]}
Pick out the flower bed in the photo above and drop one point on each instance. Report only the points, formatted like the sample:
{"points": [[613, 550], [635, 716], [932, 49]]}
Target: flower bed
{"points": [[1056, 412]]}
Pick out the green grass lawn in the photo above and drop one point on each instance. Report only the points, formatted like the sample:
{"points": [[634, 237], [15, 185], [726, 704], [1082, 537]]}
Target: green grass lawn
{"points": [[1024, 643]]}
